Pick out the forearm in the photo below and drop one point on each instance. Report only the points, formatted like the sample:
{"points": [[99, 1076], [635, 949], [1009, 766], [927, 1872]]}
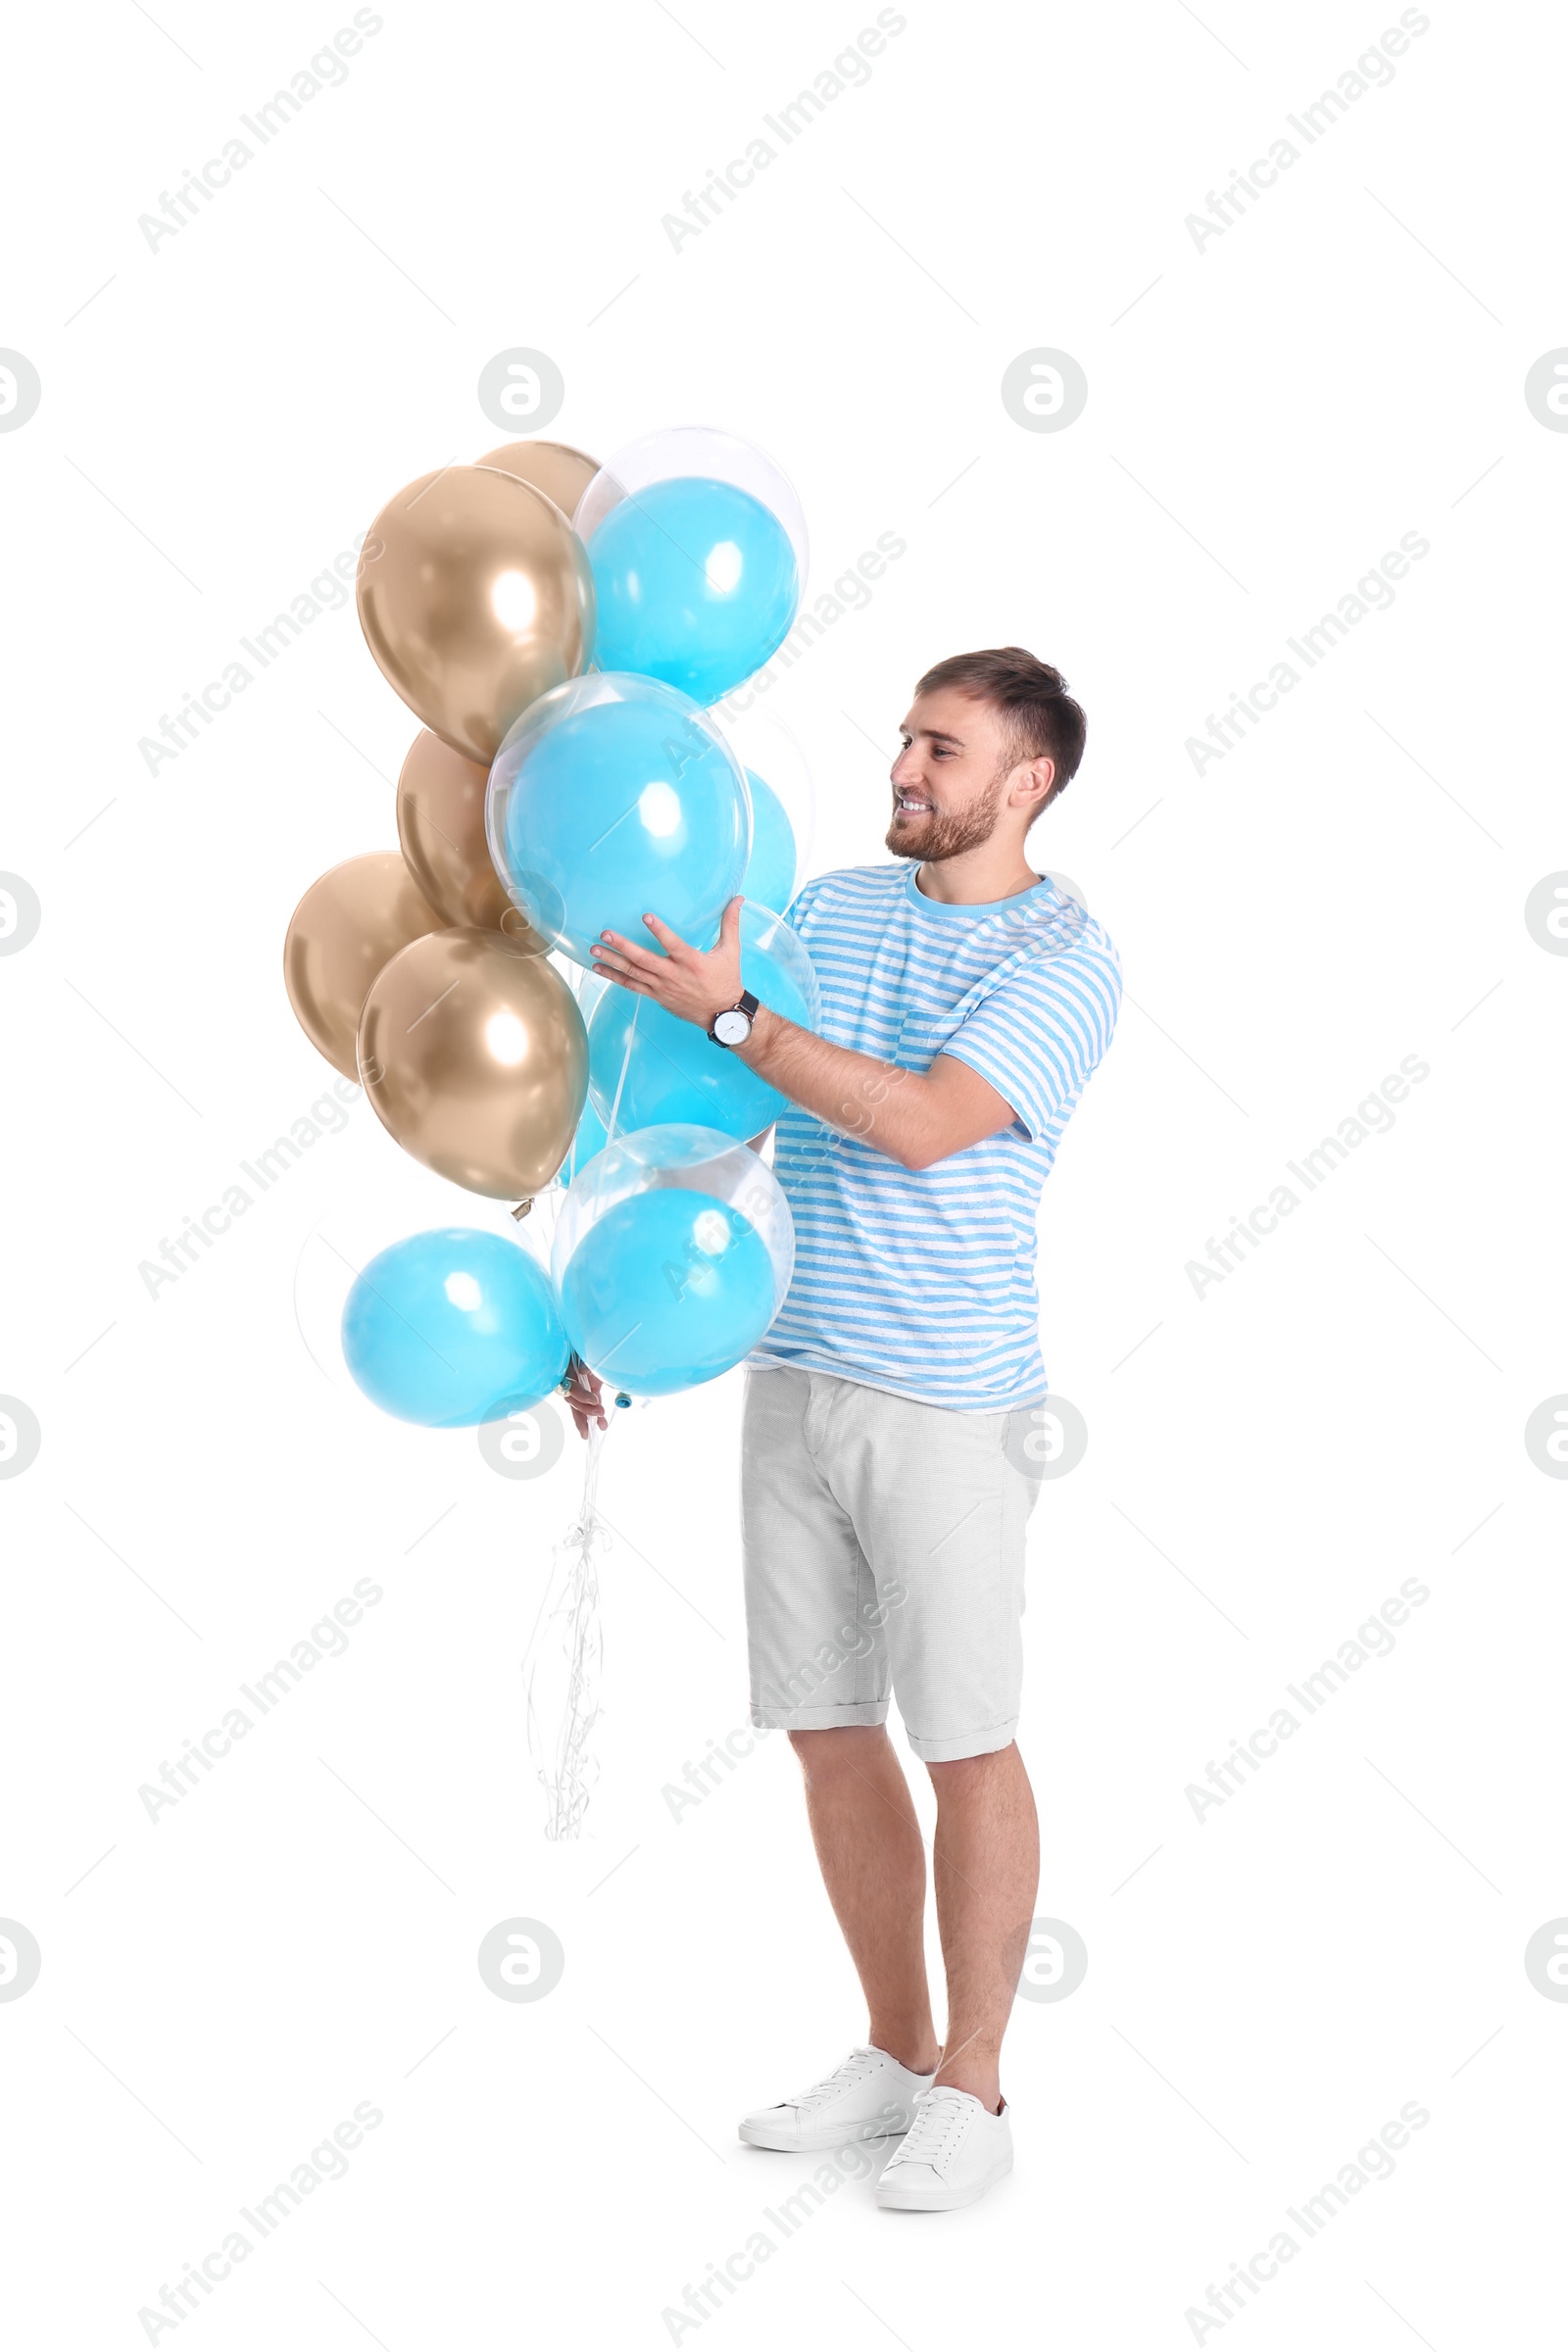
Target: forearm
{"points": [[876, 1102], [915, 1117]]}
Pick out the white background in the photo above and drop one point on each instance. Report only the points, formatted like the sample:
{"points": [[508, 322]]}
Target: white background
{"points": [[1266, 1463]]}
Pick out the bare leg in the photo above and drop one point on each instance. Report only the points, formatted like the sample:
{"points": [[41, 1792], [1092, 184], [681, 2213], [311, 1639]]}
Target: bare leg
{"points": [[985, 1867], [872, 1860]]}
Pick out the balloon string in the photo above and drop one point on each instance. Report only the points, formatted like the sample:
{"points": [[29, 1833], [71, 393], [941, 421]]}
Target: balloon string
{"points": [[626, 1066], [574, 981], [565, 1650], [563, 1661]]}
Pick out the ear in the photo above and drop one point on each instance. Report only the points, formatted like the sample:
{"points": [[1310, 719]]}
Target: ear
{"points": [[1035, 784]]}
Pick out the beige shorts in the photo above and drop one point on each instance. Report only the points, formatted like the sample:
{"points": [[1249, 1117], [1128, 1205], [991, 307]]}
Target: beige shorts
{"points": [[883, 1544]]}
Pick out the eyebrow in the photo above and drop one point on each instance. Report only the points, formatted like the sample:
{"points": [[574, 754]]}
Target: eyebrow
{"points": [[936, 735]]}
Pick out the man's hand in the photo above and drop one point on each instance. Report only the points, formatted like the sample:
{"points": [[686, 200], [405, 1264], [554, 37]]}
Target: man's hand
{"points": [[584, 1395], [692, 983], [915, 1117]]}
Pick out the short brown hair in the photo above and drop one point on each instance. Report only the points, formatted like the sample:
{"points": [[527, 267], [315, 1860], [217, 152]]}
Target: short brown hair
{"points": [[1041, 717]]}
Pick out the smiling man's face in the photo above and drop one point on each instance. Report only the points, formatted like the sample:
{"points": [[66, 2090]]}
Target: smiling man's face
{"points": [[950, 778]]}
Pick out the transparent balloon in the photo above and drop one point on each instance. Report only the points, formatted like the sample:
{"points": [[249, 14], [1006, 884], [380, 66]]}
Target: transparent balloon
{"points": [[673, 1254], [614, 797], [590, 1136], [646, 1069], [589, 985], [783, 804], [590, 1139], [698, 549], [703, 451]]}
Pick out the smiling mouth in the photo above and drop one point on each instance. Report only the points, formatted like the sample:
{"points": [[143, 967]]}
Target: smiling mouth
{"points": [[907, 804]]}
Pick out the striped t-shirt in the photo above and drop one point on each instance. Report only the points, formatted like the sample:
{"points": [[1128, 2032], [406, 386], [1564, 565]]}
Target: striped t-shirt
{"points": [[922, 1282]]}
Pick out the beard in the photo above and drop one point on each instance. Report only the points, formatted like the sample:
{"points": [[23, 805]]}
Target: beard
{"points": [[934, 837]]}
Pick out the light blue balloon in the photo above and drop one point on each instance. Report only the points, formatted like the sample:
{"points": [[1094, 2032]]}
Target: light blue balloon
{"points": [[697, 584], [617, 809], [453, 1328], [674, 1073], [669, 1288], [589, 1140], [770, 876]]}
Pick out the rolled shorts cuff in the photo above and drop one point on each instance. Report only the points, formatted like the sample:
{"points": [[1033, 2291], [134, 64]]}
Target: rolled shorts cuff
{"points": [[987, 1743], [863, 1711]]}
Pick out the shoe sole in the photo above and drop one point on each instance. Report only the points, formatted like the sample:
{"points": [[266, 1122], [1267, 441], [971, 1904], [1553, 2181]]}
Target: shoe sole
{"points": [[761, 2135], [937, 2200]]}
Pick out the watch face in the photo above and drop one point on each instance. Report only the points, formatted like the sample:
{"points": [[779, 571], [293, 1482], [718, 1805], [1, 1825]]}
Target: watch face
{"points": [[732, 1028]]}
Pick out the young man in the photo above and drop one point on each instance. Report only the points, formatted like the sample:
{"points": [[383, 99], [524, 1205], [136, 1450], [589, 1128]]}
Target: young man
{"points": [[890, 1449]]}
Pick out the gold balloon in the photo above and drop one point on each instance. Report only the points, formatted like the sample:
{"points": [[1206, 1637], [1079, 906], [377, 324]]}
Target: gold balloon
{"points": [[475, 597], [561, 472], [345, 928], [441, 826], [475, 1057]]}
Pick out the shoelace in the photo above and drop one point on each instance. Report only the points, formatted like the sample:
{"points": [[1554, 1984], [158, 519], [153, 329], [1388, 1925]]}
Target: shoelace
{"points": [[840, 2079], [938, 2115]]}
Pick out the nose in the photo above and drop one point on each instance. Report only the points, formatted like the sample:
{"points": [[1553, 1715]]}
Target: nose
{"points": [[906, 767]]}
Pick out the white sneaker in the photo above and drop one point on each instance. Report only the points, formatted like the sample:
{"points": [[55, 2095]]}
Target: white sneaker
{"points": [[955, 2150], [871, 2096]]}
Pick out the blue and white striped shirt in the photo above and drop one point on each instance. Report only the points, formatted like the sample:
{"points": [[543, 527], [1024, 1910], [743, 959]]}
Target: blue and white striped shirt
{"points": [[922, 1282]]}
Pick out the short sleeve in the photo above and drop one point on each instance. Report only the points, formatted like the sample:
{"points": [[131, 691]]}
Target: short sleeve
{"points": [[798, 913], [1040, 1032]]}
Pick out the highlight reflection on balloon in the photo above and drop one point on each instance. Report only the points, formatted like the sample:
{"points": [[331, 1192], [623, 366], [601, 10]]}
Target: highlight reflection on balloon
{"points": [[671, 1256], [695, 453], [475, 597], [474, 1059], [451, 1328], [696, 583], [614, 797]]}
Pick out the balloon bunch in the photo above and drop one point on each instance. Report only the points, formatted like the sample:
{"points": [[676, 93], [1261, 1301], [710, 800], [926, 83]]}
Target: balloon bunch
{"points": [[563, 629]]}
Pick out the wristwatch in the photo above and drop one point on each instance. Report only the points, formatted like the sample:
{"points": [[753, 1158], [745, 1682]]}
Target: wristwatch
{"points": [[733, 1026]]}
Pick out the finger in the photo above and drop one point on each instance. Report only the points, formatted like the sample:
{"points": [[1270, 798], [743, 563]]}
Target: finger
{"points": [[640, 958], [667, 939], [607, 962], [729, 929]]}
